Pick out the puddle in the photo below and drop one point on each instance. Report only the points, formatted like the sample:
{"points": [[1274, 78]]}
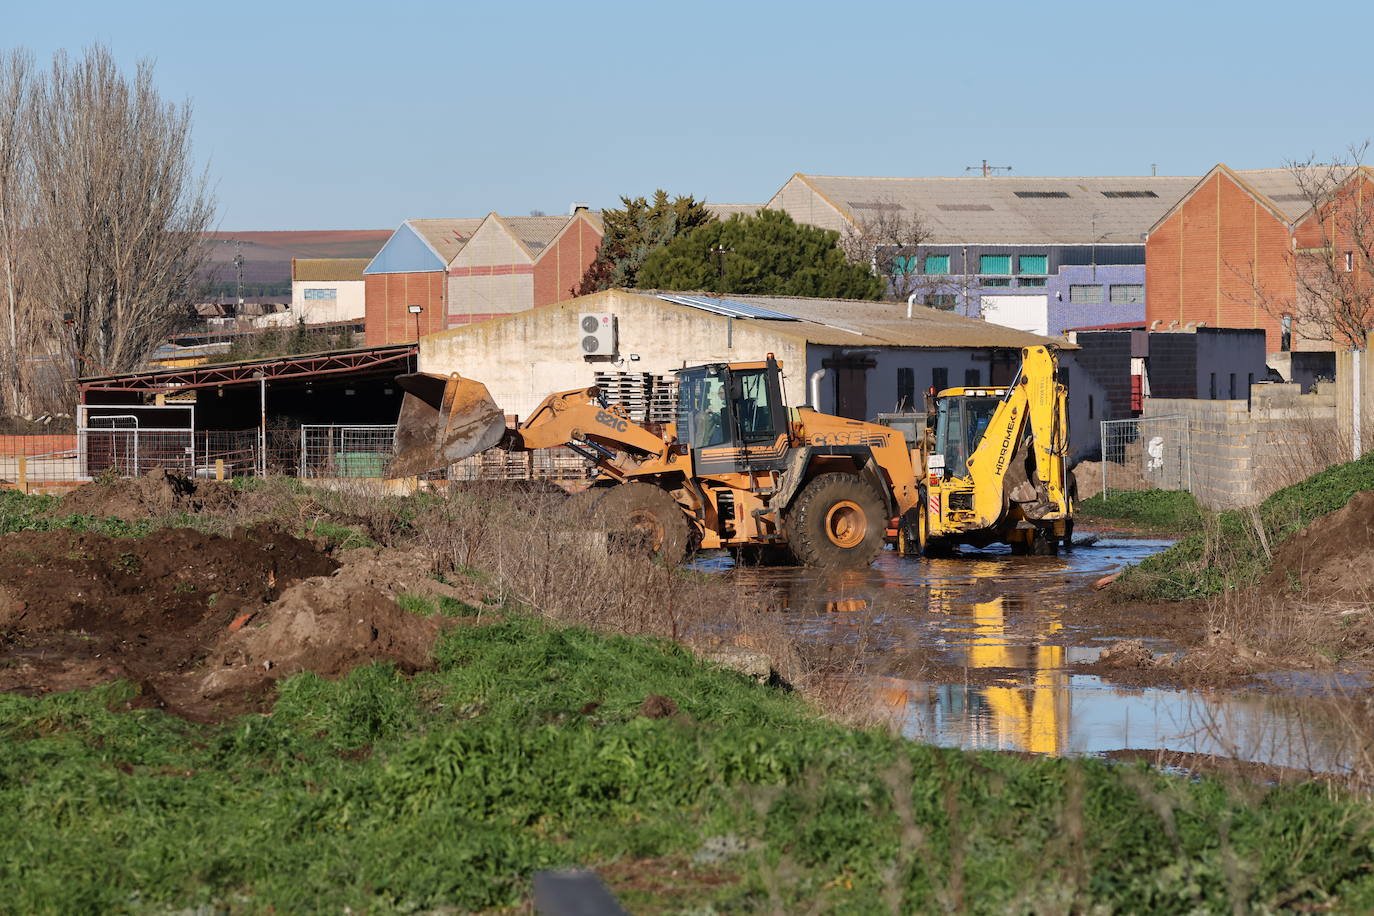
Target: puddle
{"points": [[977, 652]]}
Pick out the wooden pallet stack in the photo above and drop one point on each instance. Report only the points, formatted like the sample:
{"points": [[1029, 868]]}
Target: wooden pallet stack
{"points": [[646, 397]]}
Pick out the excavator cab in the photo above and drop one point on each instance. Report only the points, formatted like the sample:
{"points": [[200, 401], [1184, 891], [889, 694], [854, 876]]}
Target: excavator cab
{"points": [[961, 417], [731, 416]]}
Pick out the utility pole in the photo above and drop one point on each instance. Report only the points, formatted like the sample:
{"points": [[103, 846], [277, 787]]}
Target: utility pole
{"points": [[720, 251], [986, 169]]}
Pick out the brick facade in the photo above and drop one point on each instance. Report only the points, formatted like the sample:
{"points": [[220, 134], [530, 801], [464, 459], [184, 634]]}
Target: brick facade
{"points": [[560, 268], [1221, 257], [389, 297]]}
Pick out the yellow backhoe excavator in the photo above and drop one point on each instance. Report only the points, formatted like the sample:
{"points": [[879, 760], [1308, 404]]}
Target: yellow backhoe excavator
{"points": [[742, 471], [998, 468], [738, 470]]}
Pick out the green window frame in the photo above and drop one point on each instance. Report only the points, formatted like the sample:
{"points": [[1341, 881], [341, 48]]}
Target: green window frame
{"points": [[1033, 264], [994, 264], [937, 264]]}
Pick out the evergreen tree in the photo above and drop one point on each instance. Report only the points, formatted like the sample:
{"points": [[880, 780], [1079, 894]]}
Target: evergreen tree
{"points": [[632, 233], [766, 254]]}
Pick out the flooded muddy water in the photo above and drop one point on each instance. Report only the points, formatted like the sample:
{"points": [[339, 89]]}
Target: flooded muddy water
{"points": [[978, 652]]}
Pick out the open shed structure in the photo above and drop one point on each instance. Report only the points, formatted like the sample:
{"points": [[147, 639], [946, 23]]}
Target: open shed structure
{"points": [[328, 414]]}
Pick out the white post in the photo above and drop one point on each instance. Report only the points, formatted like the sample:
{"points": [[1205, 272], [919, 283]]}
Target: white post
{"points": [[1356, 396], [262, 426]]}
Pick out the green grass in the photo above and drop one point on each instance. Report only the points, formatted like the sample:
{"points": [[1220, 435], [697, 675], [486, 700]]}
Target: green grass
{"points": [[23, 512], [1227, 553], [385, 793], [1162, 510]]}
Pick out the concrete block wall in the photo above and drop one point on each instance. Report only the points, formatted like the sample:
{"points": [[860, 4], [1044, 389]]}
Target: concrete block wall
{"points": [[1241, 452]]}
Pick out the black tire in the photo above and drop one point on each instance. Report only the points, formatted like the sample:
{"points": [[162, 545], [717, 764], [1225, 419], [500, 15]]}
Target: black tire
{"points": [[911, 532], [640, 518], [836, 521], [764, 555]]}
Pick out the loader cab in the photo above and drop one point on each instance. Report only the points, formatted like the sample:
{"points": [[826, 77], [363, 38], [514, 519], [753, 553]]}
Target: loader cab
{"points": [[729, 412], [961, 417]]}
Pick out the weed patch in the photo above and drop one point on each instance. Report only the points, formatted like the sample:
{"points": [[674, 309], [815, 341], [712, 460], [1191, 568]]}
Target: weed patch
{"points": [[1162, 510], [525, 750], [1234, 549]]}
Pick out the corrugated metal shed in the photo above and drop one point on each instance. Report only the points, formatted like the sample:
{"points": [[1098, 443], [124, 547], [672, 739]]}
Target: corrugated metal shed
{"points": [[535, 232], [1010, 210], [313, 270]]}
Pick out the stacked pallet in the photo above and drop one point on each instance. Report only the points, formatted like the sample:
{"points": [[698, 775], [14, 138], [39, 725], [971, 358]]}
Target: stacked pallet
{"points": [[647, 398]]}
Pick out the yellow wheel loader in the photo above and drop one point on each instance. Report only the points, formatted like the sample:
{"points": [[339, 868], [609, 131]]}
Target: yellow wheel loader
{"points": [[738, 470], [998, 468]]}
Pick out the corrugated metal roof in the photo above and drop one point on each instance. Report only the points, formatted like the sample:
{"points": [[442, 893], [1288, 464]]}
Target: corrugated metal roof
{"points": [[447, 236], [1281, 187], [857, 322], [536, 232], [725, 211], [311, 270], [1013, 210]]}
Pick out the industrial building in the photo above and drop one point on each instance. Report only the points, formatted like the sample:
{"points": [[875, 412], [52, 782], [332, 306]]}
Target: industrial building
{"points": [[863, 358], [1036, 254], [434, 274], [1225, 255], [323, 291]]}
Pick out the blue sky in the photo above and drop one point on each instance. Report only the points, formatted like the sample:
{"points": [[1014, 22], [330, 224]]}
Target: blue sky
{"points": [[347, 115]]}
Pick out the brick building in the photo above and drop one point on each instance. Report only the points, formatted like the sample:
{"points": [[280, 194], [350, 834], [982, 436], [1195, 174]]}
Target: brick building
{"points": [[1221, 255], [463, 270], [1036, 254]]}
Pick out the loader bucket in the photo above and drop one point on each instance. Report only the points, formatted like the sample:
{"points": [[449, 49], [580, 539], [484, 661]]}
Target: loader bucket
{"points": [[443, 420]]}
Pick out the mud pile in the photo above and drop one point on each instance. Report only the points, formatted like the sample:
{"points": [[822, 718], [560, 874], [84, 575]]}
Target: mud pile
{"points": [[204, 624], [161, 493], [1329, 560]]}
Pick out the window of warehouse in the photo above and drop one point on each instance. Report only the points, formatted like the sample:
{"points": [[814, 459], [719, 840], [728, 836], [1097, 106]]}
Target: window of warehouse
{"points": [[321, 294], [1033, 264], [994, 264], [1085, 293], [1128, 293], [937, 264]]}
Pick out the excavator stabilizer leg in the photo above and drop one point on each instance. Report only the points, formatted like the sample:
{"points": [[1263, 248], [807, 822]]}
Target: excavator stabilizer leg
{"points": [[443, 420]]}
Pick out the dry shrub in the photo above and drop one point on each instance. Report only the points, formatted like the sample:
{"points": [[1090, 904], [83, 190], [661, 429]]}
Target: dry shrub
{"points": [[532, 550]]}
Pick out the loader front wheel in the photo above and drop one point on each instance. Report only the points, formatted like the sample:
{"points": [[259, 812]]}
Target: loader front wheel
{"points": [[640, 518], [838, 520]]}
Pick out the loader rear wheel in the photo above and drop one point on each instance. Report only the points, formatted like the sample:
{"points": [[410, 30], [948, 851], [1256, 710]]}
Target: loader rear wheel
{"points": [[640, 518], [838, 520]]}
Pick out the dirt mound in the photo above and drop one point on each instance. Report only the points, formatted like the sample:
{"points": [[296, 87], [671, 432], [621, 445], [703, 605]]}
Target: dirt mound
{"points": [[204, 624], [1329, 559], [157, 495], [79, 609], [328, 625]]}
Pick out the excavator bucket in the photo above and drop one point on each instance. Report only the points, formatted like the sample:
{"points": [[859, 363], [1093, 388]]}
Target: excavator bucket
{"points": [[443, 420]]}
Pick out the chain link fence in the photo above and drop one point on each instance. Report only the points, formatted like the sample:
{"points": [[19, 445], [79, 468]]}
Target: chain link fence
{"points": [[1146, 453]]}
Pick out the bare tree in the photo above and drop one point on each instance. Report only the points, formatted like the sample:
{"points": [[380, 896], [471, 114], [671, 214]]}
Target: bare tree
{"points": [[15, 85], [119, 214], [1333, 251], [888, 237]]}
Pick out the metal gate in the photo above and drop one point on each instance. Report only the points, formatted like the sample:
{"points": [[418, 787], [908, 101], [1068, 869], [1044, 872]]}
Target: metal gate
{"points": [[346, 451], [1147, 453]]}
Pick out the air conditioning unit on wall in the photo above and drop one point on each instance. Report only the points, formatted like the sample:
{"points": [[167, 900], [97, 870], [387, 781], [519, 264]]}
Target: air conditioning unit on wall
{"points": [[597, 334]]}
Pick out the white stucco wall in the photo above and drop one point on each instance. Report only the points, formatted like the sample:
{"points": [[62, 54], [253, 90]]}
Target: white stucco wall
{"points": [[523, 358], [349, 304]]}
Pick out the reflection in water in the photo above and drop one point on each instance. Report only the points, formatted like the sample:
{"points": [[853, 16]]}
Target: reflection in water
{"points": [[977, 652]]}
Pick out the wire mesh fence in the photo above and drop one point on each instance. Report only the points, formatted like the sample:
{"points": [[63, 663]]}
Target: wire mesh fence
{"points": [[345, 451], [1146, 453]]}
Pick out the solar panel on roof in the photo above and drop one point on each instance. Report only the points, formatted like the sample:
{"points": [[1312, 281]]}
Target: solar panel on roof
{"points": [[728, 307]]}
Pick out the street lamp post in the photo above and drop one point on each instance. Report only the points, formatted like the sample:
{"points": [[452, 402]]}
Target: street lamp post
{"points": [[416, 310]]}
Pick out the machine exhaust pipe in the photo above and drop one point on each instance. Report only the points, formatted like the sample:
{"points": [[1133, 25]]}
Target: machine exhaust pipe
{"points": [[815, 403]]}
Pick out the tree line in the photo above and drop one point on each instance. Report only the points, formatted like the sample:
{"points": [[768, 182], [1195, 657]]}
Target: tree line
{"points": [[102, 216]]}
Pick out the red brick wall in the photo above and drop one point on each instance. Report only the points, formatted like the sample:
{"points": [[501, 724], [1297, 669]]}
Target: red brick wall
{"points": [[388, 300], [1206, 260], [561, 266], [1341, 227], [37, 445]]}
